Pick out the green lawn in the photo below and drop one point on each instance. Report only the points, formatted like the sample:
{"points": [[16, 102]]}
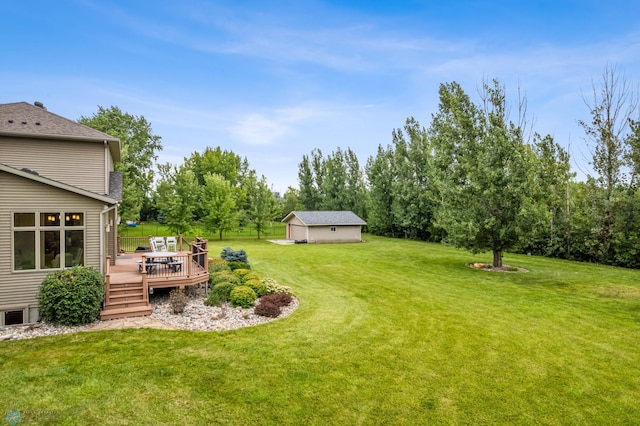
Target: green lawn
{"points": [[388, 332]]}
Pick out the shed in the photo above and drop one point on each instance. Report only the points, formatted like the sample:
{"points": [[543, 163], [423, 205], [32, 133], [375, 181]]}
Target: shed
{"points": [[324, 226]]}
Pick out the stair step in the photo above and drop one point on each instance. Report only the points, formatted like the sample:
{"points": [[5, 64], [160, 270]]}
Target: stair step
{"points": [[137, 311], [125, 293], [126, 303]]}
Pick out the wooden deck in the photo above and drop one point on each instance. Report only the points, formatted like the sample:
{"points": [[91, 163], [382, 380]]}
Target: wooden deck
{"points": [[129, 282]]}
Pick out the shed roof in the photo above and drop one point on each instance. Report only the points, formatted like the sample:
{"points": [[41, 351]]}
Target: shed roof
{"points": [[318, 218], [21, 119]]}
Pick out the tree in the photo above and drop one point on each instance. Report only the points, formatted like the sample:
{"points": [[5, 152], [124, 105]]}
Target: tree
{"points": [[178, 195], [263, 207], [138, 146], [291, 201], [481, 170], [309, 195], [614, 135], [219, 204], [381, 174]]}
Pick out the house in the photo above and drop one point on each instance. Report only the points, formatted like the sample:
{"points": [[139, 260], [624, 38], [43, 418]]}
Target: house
{"points": [[324, 226], [58, 202]]}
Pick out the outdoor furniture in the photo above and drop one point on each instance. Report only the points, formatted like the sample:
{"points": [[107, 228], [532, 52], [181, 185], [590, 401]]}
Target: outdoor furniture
{"points": [[172, 244], [159, 244], [150, 266]]}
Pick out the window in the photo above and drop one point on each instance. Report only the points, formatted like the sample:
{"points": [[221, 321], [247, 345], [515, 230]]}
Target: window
{"points": [[332, 229], [13, 317], [55, 240]]}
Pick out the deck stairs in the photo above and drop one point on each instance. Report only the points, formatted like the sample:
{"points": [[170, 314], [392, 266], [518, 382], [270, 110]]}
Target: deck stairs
{"points": [[125, 300]]}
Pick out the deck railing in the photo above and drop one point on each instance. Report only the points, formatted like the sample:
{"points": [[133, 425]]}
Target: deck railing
{"points": [[131, 244]]}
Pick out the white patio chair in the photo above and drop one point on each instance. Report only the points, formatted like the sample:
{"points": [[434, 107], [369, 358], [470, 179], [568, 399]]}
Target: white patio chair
{"points": [[172, 244], [160, 245]]}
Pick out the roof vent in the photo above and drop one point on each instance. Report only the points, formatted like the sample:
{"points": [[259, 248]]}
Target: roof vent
{"points": [[37, 123], [39, 104], [24, 122], [10, 121], [33, 172]]}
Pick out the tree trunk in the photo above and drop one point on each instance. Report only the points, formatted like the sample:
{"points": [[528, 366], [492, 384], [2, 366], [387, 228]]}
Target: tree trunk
{"points": [[497, 258]]}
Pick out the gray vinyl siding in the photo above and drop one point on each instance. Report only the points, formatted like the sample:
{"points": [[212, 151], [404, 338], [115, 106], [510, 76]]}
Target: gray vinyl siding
{"points": [[77, 163], [20, 194]]}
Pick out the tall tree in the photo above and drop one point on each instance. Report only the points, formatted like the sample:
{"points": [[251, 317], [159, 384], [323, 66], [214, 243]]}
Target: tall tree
{"points": [[218, 201], [482, 176], [178, 195], [139, 147], [381, 175], [263, 207], [309, 194]]}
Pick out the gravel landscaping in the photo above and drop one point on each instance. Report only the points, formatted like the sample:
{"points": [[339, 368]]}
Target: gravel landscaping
{"points": [[196, 316]]}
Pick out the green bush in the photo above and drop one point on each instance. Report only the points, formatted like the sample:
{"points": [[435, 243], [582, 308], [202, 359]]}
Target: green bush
{"points": [[213, 299], [238, 265], [71, 296], [257, 286], [223, 276], [274, 287], [218, 265], [242, 296], [223, 290], [241, 273]]}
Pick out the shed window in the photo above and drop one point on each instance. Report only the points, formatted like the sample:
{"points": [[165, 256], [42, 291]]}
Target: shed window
{"points": [[55, 240], [333, 229]]}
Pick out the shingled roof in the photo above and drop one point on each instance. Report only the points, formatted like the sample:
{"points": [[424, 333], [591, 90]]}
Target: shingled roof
{"points": [[21, 119], [320, 218]]}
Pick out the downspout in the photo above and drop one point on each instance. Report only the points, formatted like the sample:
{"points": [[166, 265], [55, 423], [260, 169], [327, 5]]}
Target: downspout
{"points": [[102, 233]]}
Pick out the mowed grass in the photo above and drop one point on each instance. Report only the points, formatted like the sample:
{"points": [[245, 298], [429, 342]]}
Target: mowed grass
{"points": [[388, 332]]}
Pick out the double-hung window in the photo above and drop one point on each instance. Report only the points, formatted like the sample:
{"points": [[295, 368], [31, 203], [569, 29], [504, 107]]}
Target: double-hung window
{"points": [[47, 240]]}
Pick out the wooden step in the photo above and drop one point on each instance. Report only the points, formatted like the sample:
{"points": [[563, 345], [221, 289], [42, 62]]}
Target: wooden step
{"points": [[135, 311], [123, 294], [126, 304]]}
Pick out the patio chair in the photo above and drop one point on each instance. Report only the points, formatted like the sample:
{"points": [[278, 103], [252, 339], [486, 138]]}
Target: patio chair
{"points": [[172, 244], [158, 244]]}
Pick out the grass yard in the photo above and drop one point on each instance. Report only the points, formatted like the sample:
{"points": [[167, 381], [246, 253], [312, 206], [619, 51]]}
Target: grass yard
{"points": [[388, 332]]}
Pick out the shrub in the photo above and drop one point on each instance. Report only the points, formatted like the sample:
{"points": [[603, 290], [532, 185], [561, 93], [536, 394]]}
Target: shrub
{"points": [[251, 276], [242, 296], [218, 265], [178, 300], [241, 273], [267, 309], [72, 296], [238, 265], [278, 299], [222, 277], [223, 290], [274, 287], [213, 299], [257, 286], [231, 255]]}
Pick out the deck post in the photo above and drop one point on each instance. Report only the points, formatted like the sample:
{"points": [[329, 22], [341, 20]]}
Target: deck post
{"points": [[107, 282]]}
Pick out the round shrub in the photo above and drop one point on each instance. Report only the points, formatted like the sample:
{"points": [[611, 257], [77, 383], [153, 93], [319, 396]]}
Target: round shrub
{"points": [[223, 290], [278, 299], [267, 309], [72, 296], [251, 276], [218, 265], [238, 265], [223, 277], [257, 286], [242, 296], [241, 273]]}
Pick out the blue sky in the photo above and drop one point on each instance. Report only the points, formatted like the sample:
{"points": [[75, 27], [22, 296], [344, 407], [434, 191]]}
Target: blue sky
{"points": [[271, 80]]}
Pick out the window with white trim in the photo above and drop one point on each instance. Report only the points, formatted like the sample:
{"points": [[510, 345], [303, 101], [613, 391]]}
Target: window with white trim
{"points": [[47, 240], [14, 316], [332, 229]]}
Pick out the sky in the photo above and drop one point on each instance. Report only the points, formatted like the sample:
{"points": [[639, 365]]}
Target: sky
{"points": [[272, 80]]}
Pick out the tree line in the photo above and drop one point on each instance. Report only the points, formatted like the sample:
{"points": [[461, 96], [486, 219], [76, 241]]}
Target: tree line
{"points": [[482, 180]]}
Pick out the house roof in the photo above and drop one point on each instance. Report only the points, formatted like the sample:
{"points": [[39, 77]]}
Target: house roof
{"points": [[31, 175], [21, 119], [319, 218]]}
